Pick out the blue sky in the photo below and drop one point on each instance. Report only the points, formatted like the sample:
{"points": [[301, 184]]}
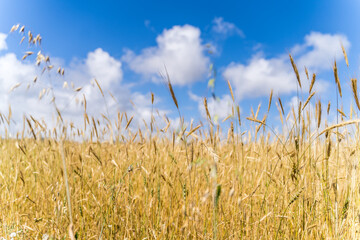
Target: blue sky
{"points": [[125, 44]]}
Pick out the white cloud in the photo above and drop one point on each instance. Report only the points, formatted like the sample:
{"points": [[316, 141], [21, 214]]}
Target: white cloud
{"points": [[219, 107], [180, 49], [226, 28], [3, 45], [260, 74], [98, 64], [104, 68], [142, 109], [107, 71], [319, 50], [13, 71]]}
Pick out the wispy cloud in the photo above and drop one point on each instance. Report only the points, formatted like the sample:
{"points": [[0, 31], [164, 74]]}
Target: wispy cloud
{"points": [[180, 49], [226, 28], [149, 26]]}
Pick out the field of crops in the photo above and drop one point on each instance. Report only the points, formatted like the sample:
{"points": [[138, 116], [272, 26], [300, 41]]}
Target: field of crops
{"points": [[109, 180]]}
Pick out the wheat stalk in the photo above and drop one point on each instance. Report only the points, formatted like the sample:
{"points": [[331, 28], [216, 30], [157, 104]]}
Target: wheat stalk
{"points": [[295, 70], [337, 81], [355, 93]]}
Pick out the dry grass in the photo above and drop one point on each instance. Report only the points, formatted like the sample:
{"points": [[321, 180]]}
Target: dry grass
{"points": [[196, 184], [143, 190]]}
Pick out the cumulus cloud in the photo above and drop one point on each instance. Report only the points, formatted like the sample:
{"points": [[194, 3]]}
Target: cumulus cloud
{"points": [[104, 67], [24, 100], [98, 64], [221, 107], [261, 74], [180, 49], [319, 50], [108, 72], [3, 45], [13, 71], [225, 28]]}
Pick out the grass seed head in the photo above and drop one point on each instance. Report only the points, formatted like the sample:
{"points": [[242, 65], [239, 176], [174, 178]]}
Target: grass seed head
{"points": [[295, 70]]}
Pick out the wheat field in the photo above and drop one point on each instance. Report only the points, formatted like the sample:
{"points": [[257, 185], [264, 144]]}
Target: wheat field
{"points": [[245, 181]]}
